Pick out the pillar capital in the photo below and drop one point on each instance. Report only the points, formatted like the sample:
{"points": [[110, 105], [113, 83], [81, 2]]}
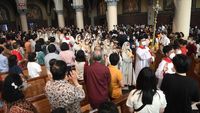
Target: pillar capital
{"points": [[21, 6], [58, 4], [78, 8], [78, 5], [111, 2], [59, 11]]}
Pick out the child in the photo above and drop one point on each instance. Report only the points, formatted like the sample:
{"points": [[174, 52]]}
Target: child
{"points": [[116, 77], [166, 65]]}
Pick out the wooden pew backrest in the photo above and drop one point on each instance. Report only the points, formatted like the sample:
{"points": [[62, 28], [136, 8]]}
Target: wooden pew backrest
{"points": [[36, 86], [121, 102], [41, 103], [3, 76]]}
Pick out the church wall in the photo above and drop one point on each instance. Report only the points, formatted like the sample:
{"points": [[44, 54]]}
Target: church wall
{"points": [[161, 3], [144, 5], [197, 3], [8, 18], [137, 18], [195, 18], [120, 7], [9, 8]]}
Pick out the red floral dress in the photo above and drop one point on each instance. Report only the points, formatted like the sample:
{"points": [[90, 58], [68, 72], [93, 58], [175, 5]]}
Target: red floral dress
{"points": [[20, 106]]}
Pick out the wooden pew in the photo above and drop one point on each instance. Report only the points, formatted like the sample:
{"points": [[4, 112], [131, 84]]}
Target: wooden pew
{"points": [[36, 86], [85, 101], [3, 75], [41, 103], [121, 102], [44, 70], [35, 94]]}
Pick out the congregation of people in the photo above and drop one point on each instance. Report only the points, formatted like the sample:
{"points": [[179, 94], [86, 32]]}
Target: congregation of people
{"points": [[109, 62]]}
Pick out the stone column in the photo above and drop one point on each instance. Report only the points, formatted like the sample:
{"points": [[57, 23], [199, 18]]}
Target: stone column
{"points": [[22, 10], [111, 13], [59, 11], [78, 6], [92, 15], [181, 22], [150, 12]]}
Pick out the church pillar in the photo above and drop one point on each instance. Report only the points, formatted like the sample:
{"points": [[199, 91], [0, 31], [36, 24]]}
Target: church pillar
{"points": [[22, 10], [150, 12], [78, 6], [92, 15], [59, 11], [181, 22], [111, 13]]}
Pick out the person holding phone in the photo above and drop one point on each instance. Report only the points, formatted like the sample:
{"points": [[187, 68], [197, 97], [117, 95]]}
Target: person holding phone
{"points": [[64, 91]]}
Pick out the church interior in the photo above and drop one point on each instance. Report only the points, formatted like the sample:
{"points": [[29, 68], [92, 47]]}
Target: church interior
{"points": [[161, 37]]}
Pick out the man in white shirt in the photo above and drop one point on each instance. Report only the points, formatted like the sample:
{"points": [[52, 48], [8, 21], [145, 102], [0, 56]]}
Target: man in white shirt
{"points": [[3, 61], [164, 40], [51, 55]]}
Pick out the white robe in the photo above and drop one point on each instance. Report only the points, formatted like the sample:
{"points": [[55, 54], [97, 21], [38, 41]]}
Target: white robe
{"points": [[160, 70], [143, 59], [127, 69]]}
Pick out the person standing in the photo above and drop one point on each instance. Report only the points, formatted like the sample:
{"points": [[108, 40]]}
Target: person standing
{"points": [[97, 80], [13, 96], [34, 69], [146, 98], [66, 54], [116, 77], [64, 91], [127, 65], [143, 56], [180, 89], [3, 61], [51, 55], [166, 66], [164, 40]]}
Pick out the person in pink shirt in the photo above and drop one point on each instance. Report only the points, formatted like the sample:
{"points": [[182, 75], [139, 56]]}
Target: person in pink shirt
{"points": [[67, 55]]}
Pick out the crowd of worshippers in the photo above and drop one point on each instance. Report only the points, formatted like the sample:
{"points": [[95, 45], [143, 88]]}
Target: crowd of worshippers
{"points": [[107, 62]]}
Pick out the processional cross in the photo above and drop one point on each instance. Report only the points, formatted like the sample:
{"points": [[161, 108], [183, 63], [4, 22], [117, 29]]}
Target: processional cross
{"points": [[156, 8]]}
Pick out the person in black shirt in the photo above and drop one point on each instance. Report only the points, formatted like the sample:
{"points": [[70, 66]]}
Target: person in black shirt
{"points": [[180, 90]]}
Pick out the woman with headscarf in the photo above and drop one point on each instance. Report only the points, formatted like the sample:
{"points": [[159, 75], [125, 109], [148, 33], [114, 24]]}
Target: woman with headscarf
{"points": [[127, 65]]}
